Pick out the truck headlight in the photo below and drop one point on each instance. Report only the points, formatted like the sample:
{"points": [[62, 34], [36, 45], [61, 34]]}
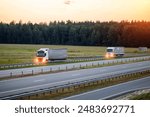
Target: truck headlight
{"points": [[107, 55], [111, 55], [44, 60], [35, 60]]}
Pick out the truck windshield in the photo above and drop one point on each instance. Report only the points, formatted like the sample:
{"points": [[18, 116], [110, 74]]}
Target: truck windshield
{"points": [[41, 54], [109, 50]]}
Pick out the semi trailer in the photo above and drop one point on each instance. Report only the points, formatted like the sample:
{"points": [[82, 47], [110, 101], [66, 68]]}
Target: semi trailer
{"points": [[114, 52], [44, 55], [143, 49]]}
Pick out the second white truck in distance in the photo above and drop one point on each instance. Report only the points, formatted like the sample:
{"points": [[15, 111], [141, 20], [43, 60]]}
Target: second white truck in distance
{"points": [[44, 55], [114, 52]]}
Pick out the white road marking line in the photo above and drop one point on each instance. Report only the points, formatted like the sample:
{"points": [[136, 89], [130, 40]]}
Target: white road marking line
{"points": [[75, 74], [41, 80]]}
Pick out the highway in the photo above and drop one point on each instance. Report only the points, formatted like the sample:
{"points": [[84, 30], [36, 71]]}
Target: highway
{"points": [[113, 91], [35, 70], [21, 85], [70, 59]]}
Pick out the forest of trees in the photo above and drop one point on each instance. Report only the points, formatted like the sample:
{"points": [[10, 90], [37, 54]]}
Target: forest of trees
{"points": [[124, 33]]}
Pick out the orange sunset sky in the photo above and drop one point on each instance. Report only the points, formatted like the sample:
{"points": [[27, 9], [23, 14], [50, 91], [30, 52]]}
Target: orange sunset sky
{"points": [[75, 10]]}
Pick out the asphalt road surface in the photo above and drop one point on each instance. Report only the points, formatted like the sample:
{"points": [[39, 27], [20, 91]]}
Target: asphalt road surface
{"points": [[113, 91], [21, 85]]}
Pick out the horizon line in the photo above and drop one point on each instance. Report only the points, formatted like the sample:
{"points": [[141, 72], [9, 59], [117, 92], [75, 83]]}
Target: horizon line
{"points": [[72, 21]]}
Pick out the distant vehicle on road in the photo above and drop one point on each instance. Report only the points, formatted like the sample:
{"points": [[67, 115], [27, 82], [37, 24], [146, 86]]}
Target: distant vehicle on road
{"points": [[114, 52], [143, 49], [44, 55]]}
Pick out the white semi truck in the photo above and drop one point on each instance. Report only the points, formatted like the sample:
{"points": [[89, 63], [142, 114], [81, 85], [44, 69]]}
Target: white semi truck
{"points": [[143, 49], [44, 55], [114, 52]]}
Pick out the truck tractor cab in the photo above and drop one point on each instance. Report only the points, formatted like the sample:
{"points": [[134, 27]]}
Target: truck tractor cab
{"points": [[42, 56], [110, 52], [114, 52]]}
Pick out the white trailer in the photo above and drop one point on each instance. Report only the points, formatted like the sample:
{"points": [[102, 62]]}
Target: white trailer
{"points": [[143, 49], [44, 55], [115, 52]]}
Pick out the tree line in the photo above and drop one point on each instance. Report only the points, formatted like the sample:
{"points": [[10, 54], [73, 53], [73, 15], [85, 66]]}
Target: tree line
{"points": [[124, 33]]}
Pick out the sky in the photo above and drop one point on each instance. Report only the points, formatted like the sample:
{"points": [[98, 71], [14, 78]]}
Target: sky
{"points": [[37, 11]]}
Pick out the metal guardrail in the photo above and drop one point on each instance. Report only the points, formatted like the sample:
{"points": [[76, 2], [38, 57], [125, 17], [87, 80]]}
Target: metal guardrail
{"points": [[70, 59], [73, 84], [66, 67], [16, 65]]}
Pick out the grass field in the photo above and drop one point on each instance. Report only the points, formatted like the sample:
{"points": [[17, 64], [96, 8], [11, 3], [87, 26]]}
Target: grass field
{"points": [[22, 53]]}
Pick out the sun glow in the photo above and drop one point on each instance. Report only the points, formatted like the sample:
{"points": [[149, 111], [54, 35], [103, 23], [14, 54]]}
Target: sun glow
{"points": [[76, 10]]}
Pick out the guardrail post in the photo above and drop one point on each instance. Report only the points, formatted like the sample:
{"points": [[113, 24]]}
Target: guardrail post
{"points": [[50, 92], [50, 69], [44, 93], [32, 72], [73, 66], [57, 90], [41, 70], [80, 66], [112, 62], [10, 74], [143, 59], [28, 97], [22, 73], [66, 68]]}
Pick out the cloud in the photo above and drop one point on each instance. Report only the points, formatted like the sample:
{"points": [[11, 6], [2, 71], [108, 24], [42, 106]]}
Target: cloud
{"points": [[67, 2]]}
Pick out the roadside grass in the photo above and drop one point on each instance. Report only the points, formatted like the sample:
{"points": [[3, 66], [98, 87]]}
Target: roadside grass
{"points": [[24, 53], [145, 96], [15, 53]]}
